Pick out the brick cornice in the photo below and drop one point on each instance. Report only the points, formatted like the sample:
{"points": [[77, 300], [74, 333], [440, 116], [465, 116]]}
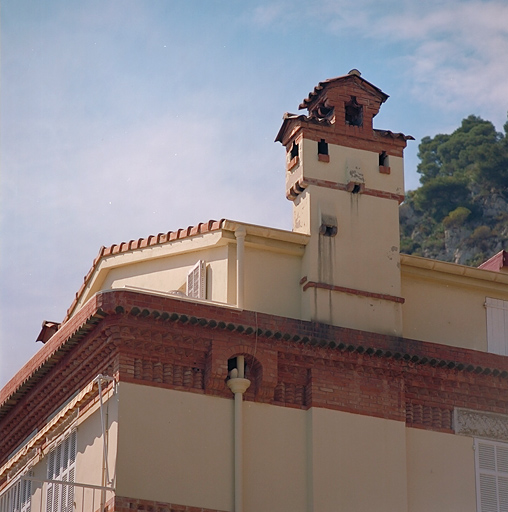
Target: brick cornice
{"points": [[182, 344], [245, 323], [51, 353], [341, 135]]}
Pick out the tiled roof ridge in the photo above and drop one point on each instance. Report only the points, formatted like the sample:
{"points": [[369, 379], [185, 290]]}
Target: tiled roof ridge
{"points": [[325, 83], [140, 243], [398, 135]]}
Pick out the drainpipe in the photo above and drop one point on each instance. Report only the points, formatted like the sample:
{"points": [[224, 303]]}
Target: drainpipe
{"points": [[238, 384], [240, 234], [105, 476]]}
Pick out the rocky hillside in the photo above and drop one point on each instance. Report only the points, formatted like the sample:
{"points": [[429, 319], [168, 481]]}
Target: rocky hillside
{"points": [[460, 212]]}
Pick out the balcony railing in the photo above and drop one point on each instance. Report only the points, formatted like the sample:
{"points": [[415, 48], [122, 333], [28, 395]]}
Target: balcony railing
{"points": [[30, 494]]}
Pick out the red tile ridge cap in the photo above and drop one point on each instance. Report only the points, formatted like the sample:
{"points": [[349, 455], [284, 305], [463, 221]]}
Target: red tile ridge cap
{"points": [[393, 134], [288, 119], [132, 245], [325, 83]]}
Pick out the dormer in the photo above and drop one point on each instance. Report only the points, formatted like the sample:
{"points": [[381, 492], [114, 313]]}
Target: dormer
{"points": [[349, 102]]}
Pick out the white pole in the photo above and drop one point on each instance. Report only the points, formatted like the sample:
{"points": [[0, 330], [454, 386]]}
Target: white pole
{"points": [[240, 234], [238, 385]]}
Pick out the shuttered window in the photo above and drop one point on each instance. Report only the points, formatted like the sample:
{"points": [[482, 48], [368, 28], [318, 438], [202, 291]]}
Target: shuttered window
{"points": [[196, 281], [62, 467], [18, 497], [491, 476], [497, 326]]}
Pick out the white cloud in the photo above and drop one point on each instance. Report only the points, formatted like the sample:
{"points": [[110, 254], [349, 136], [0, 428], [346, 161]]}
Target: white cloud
{"points": [[458, 53], [451, 54]]}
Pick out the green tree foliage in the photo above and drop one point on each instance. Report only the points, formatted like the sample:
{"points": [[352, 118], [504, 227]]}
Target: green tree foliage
{"points": [[441, 195], [463, 193], [475, 150], [457, 217]]}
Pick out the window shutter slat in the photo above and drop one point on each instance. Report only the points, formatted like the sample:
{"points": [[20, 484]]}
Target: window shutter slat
{"points": [[488, 493], [491, 476], [196, 281], [61, 466], [502, 459], [486, 456], [502, 485]]}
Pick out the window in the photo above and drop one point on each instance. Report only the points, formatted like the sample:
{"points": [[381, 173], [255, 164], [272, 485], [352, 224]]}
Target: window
{"points": [[18, 497], [491, 462], [62, 466], [196, 281], [497, 326]]}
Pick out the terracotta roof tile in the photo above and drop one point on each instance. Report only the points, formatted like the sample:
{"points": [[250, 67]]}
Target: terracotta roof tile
{"points": [[151, 240], [350, 76], [388, 133], [496, 263]]}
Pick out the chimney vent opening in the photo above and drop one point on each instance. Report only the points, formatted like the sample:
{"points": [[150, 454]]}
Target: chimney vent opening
{"points": [[322, 147], [354, 112], [294, 150]]}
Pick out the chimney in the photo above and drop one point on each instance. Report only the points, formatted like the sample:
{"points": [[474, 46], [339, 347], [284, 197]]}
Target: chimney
{"points": [[346, 181]]}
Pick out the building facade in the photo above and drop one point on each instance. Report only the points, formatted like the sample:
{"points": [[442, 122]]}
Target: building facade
{"points": [[234, 367]]}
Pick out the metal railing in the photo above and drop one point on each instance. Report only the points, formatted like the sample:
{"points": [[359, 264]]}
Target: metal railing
{"points": [[30, 494]]}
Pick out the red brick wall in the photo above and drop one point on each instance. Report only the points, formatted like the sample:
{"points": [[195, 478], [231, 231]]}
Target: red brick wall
{"points": [[121, 504], [185, 345]]}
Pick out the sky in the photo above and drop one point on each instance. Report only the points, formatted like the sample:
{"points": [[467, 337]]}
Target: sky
{"points": [[126, 118]]}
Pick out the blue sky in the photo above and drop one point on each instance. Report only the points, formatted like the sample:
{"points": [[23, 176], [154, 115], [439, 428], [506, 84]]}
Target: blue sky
{"points": [[125, 118]]}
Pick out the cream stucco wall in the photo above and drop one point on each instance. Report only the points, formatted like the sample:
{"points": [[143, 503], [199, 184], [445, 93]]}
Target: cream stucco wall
{"points": [[441, 472], [285, 273], [170, 273], [90, 443], [363, 256], [352, 311], [275, 474], [357, 462], [342, 161], [178, 447], [446, 304], [272, 282], [364, 253], [175, 447]]}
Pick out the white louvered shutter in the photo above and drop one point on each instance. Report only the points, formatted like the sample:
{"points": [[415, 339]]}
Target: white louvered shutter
{"points": [[497, 326], [18, 497], [26, 494], [196, 281], [62, 466], [491, 476]]}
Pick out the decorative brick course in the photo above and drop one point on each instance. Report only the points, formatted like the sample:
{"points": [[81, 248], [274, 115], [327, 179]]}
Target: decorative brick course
{"points": [[178, 344], [302, 183], [122, 504]]}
